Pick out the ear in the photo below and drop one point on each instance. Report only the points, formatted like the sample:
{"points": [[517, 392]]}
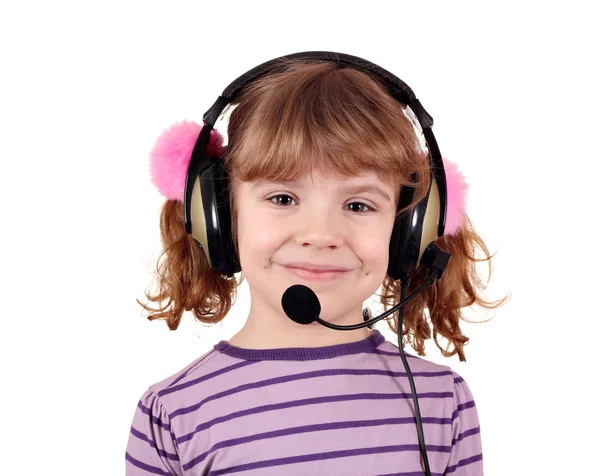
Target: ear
{"points": [[171, 155]]}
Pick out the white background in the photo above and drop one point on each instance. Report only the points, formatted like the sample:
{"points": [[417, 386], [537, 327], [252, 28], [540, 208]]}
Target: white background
{"points": [[87, 87]]}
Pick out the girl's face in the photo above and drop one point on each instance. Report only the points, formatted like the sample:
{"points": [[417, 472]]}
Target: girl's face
{"points": [[343, 223]]}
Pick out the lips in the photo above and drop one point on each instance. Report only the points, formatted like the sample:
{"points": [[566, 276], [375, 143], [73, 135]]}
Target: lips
{"points": [[315, 267], [322, 273]]}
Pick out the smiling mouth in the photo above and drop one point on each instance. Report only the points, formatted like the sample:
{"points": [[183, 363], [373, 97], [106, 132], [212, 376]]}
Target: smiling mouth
{"points": [[315, 275]]}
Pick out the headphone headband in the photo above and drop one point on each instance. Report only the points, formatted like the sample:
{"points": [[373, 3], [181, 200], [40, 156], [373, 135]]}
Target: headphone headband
{"points": [[395, 85], [398, 89]]}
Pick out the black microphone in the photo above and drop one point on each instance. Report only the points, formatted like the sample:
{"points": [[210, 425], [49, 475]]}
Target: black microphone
{"points": [[301, 304]]}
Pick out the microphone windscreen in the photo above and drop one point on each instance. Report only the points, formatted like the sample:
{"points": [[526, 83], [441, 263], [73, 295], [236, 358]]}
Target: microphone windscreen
{"points": [[301, 304]]}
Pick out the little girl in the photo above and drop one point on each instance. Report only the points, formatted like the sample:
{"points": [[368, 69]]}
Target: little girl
{"points": [[325, 182]]}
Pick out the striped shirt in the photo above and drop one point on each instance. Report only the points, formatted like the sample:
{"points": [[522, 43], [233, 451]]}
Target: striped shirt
{"points": [[345, 409]]}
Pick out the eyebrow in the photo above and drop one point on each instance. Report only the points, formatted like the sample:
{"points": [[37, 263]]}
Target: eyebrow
{"points": [[369, 188]]}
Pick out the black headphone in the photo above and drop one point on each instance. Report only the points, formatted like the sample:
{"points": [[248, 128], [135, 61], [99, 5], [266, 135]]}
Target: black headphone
{"points": [[206, 197]]}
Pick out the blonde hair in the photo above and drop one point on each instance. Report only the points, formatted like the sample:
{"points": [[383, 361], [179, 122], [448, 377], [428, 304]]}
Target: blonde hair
{"points": [[315, 116]]}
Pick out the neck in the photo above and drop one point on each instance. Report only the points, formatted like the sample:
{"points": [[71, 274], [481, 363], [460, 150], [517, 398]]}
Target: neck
{"points": [[264, 333]]}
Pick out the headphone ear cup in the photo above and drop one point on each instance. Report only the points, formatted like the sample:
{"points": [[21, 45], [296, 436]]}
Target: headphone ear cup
{"points": [[198, 220], [405, 239], [211, 218], [414, 231]]}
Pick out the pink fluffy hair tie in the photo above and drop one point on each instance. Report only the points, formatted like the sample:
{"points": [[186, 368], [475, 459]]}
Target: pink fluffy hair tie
{"points": [[171, 155], [457, 189]]}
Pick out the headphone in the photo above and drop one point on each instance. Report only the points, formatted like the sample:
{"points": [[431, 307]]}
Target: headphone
{"points": [[206, 195]]}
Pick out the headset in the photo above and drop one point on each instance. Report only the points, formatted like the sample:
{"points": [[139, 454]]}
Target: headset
{"points": [[206, 195]]}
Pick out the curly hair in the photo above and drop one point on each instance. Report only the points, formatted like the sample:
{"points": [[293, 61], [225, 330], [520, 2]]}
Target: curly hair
{"points": [[314, 115]]}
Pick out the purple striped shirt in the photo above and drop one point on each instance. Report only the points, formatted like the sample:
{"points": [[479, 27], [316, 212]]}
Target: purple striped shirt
{"points": [[343, 409]]}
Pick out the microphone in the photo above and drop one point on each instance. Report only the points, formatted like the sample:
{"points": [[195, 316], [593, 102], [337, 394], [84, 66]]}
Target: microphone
{"points": [[301, 304]]}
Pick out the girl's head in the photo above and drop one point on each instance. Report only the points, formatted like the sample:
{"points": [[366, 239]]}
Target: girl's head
{"points": [[317, 155], [303, 142]]}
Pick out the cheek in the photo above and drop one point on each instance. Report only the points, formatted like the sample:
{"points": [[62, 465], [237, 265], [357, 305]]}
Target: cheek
{"points": [[373, 246], [256, 235], [375, 250]]}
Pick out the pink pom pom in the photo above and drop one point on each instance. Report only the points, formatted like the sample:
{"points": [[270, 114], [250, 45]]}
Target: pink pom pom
{"points": [[457, 197], [171, 155]]}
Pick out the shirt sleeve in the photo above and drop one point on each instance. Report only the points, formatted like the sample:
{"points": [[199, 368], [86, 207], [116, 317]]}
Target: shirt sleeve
{"points": [[465, 453], [151, 448]]}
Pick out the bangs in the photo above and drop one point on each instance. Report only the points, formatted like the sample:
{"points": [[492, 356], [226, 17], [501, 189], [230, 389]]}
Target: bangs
{"points": [[315, 117]]}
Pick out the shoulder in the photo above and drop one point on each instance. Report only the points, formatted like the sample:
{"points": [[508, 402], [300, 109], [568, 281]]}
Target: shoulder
{"points": [[153, 400], [464, 402], [210, 373], [163, 395], [193, 368], [419, 366], [436, 376]]}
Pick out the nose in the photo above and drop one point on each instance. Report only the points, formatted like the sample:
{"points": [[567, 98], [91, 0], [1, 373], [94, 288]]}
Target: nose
{"points": [[320, 228]]}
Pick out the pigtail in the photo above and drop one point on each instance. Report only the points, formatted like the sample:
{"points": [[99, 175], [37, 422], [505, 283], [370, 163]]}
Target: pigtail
{"points": [[185, 280], [437, 311]]}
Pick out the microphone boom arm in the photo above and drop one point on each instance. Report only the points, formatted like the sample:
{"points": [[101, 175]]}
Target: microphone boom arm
{"points": [[429, 280]]}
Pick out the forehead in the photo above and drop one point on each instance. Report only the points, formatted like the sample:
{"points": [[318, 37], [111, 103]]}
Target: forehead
{"points": [[322, 177]]}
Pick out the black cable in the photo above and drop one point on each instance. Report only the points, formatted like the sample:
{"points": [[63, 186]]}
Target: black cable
{"points": [[404, 281]]}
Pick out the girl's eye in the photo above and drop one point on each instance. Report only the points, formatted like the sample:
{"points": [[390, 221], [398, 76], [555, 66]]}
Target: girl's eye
{"points": [[361, 204], [279, 196], [287, 198]]}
